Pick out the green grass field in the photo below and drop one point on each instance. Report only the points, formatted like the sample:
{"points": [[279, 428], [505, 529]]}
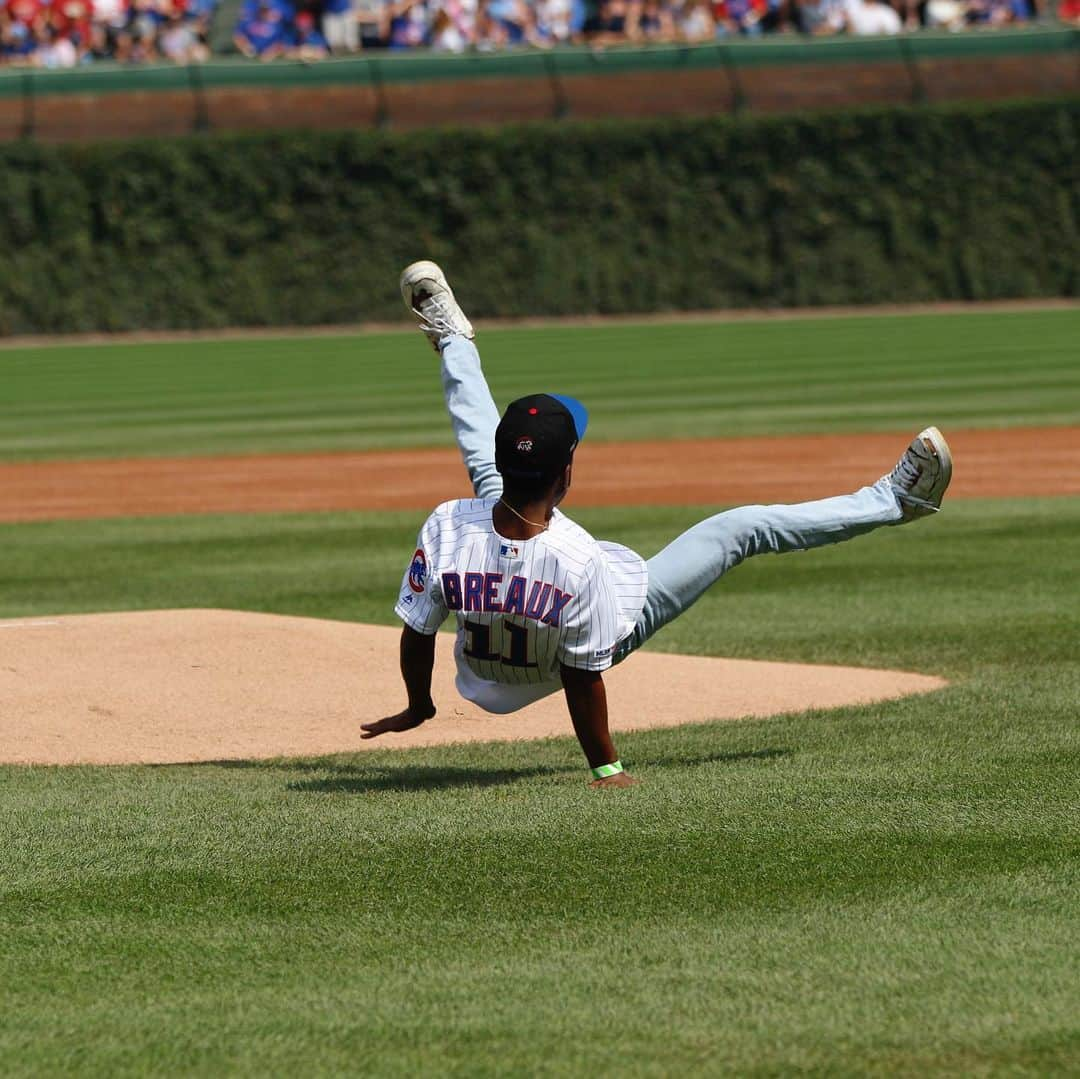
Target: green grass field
{"points": [[653, 381], [887, 890]]}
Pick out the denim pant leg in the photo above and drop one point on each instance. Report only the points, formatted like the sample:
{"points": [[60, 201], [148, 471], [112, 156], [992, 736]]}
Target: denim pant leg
{"points": [[473, 414], [684, 569]]}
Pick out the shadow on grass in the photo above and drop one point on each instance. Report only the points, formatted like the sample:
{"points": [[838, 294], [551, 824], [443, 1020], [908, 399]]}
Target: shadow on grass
{"points": [[356, 780], [359, 778]]}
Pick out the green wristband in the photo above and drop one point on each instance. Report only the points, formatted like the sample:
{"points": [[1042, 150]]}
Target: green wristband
{"points": [[606, 770]]}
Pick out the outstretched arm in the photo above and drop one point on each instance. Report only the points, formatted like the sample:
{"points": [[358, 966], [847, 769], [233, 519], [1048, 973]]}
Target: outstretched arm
{"points": [[417, 663], [587, 700]]}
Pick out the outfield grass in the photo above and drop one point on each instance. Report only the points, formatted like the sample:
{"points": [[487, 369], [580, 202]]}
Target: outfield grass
{"points": [[881, 890], [985, 369]]}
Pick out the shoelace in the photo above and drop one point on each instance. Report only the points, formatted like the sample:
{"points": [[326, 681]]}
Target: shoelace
{"points": [[435, 314], [907, 472], [903, 477]]}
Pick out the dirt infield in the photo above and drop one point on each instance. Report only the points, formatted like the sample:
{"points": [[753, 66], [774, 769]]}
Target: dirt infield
{"points": [[1013, 462], [174, 686]]}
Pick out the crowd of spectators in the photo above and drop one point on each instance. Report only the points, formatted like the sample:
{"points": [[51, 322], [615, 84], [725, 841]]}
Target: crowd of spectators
{"points": [[271, 28], [65, 33]]}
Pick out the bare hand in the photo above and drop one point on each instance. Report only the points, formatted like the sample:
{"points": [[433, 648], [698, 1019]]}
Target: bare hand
{"points": [[403, 721], [620, 779]]}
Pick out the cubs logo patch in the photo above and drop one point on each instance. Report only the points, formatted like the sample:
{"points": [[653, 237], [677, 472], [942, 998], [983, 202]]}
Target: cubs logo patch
{"points": [[525, 445], [418, 571]]}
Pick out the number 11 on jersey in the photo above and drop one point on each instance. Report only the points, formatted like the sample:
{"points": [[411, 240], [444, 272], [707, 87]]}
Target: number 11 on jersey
{"points": [[478, 644]]}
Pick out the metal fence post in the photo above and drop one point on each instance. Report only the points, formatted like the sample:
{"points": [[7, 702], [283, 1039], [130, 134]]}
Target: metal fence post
{"points": [[201, 119], [918, 89], [739, 101], [560, 105], [29, 112], [382, 105]]}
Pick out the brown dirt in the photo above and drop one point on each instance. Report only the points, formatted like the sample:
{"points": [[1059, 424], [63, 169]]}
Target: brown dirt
{"points": [[1007, 463], [173, 686]]}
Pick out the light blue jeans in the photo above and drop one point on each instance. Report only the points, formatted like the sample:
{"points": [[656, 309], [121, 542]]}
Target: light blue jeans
{"points": [[689, 565]]}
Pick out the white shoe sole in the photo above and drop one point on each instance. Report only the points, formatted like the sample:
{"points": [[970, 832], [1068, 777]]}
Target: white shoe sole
{"points": [[933, 438], [416, 272], [933, 445]]}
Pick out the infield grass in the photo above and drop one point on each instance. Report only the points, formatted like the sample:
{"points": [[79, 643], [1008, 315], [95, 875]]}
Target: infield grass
{"points": [[881, 890], [980, 369]]}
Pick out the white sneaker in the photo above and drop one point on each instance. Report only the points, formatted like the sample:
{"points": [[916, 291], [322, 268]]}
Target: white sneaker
{"points": [[922, 474], [427, 294]]}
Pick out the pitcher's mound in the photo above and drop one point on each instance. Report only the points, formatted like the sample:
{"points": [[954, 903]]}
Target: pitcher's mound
{"points": [[169, 686]]}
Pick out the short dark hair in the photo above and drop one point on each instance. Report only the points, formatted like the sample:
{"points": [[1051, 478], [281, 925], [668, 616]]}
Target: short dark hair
{"points": [[532, 486]]}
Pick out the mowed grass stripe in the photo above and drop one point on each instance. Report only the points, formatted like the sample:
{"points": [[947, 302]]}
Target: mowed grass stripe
{"points": [[683, 380], [815, 397], [336, 357], [825, 373], [326, 428]]}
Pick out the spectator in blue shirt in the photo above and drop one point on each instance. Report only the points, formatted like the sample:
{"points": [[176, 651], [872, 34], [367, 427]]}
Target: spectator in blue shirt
{"points": [[409, 24], [17, 41], [262, 36], [283, 10]]}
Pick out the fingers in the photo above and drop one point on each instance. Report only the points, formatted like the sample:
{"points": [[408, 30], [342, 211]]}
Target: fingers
{"points": [[403, 721], [381, 726]]}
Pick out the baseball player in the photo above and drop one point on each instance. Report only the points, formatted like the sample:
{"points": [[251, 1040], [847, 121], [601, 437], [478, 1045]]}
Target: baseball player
{"points": [[541, 605]]}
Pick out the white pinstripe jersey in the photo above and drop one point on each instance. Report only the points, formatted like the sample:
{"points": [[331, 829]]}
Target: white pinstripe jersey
{"points": [[523, 607]]}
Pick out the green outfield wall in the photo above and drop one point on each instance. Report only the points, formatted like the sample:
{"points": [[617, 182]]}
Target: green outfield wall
{"points": [[407, 91], [884, 205]]}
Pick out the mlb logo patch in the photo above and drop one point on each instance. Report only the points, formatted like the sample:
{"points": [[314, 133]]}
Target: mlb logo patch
{"points": [[510, 550]]}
